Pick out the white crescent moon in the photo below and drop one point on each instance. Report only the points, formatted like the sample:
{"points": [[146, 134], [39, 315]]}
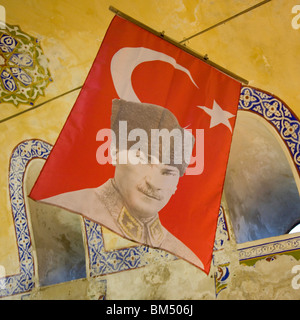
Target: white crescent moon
{"points": [[127, 59]]}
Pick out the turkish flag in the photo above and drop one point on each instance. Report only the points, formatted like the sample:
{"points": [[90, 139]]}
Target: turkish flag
{"points": [[135, 65]]}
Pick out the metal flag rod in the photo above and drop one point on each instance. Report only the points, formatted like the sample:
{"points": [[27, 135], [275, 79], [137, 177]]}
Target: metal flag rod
{"points": [[177, 44], [226, 20]]}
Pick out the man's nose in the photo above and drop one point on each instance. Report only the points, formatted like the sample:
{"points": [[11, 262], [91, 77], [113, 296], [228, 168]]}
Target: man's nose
{"points": [[151, 186], [154, 180]]}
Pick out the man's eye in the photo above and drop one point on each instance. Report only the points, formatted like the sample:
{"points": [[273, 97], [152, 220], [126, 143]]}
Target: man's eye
{"points": [[169, 173]]}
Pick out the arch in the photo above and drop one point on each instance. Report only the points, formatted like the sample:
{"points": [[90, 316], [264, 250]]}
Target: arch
{"points": [[56, 236], [100, 261], [20, 158], [263, 196]]}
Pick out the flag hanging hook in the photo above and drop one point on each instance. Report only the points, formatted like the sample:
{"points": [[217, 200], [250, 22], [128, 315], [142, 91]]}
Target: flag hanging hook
{"points": [[181, 46]]}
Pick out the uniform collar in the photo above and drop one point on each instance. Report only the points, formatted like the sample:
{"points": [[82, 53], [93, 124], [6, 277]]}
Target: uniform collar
{"points": [[151, 233]]}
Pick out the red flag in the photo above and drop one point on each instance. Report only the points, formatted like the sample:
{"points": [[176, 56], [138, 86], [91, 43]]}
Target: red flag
{"points": [[135, 65]]}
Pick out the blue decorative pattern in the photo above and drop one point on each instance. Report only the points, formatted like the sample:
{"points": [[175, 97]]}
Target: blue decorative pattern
{"points": [[8, 81], [277, 114], [7, 43], [221, 277], [24, 74], [269, 248], [21, 156], [221, 273], [100, 261], [222, 234], [287, 125], [22, 59], [106, 262]]}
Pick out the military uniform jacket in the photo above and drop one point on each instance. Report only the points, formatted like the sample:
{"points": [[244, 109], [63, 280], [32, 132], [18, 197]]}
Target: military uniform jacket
{"points": [[104, 205]]}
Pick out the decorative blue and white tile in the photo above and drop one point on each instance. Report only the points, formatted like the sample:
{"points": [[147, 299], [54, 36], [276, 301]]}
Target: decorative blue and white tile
{"points": [[221, 278], [263, 248], [20, 158], [222, 234], [221, 273], [24, 72], [102, 262], [275, 112]]}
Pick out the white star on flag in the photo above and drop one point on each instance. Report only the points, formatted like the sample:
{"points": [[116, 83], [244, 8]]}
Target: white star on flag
{"points": [[218, 115]]}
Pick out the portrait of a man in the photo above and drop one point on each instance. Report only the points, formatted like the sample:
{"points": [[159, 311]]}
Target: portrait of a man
{"points": [[147, 172]]}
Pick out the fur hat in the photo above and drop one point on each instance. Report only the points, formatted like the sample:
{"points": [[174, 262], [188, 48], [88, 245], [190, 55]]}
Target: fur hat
{"points": [[148, 117]]}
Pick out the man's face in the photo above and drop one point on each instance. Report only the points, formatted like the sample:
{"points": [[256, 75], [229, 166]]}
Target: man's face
{"points": [[145, 188]]}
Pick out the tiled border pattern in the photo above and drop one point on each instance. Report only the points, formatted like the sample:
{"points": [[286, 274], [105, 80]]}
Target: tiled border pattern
{"points": [[222, 234], [275, 112], [269, 248], [106, 262], [21, 156], [102, 262], [221, 277]]}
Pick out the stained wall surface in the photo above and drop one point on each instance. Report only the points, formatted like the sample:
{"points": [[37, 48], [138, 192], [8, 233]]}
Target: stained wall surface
{"points": [[262, 46]]}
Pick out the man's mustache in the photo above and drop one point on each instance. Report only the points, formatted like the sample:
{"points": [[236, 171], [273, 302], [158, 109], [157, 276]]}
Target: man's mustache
{"points": [[150, 191]]}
